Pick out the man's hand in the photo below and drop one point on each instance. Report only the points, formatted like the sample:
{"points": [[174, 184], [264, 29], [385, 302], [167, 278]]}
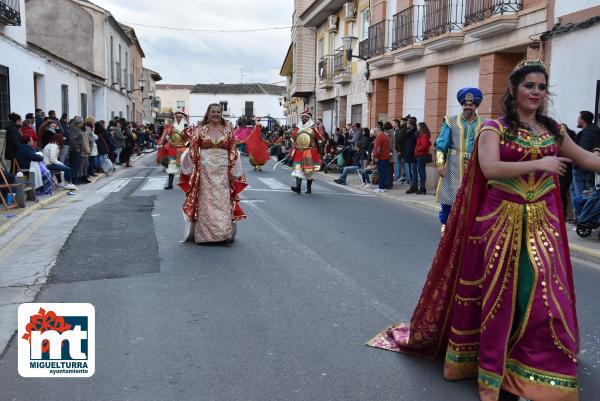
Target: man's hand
{"points": [[442, 171]]}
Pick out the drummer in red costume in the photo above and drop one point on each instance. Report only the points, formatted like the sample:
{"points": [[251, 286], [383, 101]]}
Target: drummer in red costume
{"points": [[305, 154], [173, 139], [258, 148]]}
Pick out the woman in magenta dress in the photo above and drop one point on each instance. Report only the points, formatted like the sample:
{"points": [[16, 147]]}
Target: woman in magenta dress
{"points": [[499, 300]]}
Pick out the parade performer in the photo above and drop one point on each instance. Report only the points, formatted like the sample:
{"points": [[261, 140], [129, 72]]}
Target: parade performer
{"points": [[258, 148], [212, 178], [453, 148], [499, 299], [305, 156], [173, 139]]}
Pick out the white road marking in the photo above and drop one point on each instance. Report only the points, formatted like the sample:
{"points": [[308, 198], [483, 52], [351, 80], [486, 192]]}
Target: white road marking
{"points": [[327, 192], [154, 184], [272, 183], [349, 188], [114, 186]]}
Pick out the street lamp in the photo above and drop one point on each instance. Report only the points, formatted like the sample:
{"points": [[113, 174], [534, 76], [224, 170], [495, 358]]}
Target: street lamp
{"points": [[150, 96], [349, 43]]}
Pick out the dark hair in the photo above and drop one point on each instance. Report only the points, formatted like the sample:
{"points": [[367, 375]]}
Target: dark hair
{"points": [[388, 126], [509, 105], [380, 124], [14, 117], [413, 120], [205, 119], [357, 125], [29, 116], [366, 131], [63, 115], [24, 139], [424, 129], [587, 116], [396, 121]]}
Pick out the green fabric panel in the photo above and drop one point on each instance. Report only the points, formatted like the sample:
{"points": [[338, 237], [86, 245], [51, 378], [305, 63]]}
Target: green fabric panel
{"points": [[524, 283]]}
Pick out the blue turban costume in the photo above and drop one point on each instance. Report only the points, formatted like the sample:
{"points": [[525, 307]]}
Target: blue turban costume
{"points": [[469, 95]]}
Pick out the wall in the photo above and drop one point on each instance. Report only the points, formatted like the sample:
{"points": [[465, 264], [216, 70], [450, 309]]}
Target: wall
{"points": [[263, 105], [68, 37], [414, 95], [573, 95], [169, 98], [563, 7]]}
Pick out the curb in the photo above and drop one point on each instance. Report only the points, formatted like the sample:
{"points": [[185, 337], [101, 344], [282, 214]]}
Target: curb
{"points": [[577, 250], [4, 228]]}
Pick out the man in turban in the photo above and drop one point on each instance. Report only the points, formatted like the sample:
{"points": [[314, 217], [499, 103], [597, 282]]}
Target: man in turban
{"points": [[305, 154], [453, 148]]}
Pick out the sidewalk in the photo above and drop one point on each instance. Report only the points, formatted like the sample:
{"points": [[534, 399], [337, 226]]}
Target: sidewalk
{"points": [[583, 248], [9, 218]]}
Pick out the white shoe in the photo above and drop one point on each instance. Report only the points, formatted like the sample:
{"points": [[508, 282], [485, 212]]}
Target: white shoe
{"points": [[70, 187]]}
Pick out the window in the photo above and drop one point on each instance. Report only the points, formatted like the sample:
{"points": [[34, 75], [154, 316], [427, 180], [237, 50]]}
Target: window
{"points": [[112, 60], [84, 105], [356, 114], [119, 68], [4, 97], [364, 16], [321, 48], [249, 109], [126, 67], [112, 115], [223, 104], [180, 104], [121, 114], [64, 98]]}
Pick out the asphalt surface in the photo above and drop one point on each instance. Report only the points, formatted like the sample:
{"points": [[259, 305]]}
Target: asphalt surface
{"points": [[281, 314]]}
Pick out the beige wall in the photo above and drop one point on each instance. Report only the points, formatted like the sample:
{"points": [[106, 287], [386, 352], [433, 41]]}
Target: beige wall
{"points": [[169, 98]]}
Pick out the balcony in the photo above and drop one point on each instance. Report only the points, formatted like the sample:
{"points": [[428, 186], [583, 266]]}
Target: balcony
{"points": [[408, 33], [10, 13], [444, 21], [485, 18], [378, 44], [342, 70], [326, 72]]}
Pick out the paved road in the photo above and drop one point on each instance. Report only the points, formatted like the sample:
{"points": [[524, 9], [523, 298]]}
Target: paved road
{"points": [[282, 314]]}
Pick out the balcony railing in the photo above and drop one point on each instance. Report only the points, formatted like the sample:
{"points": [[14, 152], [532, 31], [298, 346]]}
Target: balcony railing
{"points": [[479, 10], [408, 27], [10, 13], [363, 49], [340, 65], [443, 17], [377, 39], [326, 69]]}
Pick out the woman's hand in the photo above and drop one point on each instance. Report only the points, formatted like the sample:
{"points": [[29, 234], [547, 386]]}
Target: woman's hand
{"points": [[553, 164]]}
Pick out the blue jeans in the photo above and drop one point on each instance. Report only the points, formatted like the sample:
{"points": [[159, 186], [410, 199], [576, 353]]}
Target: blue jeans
{"points": [[348, 170], [410, 169], [383, 169], [60, 167], [397, 166], [75, 162], [421, 163]]}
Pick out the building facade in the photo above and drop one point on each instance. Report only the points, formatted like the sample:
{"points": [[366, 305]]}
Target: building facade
{"points": [[172, 97], [150, 101], [238, 100], [571, 37], [342, 82], [134, 77]]}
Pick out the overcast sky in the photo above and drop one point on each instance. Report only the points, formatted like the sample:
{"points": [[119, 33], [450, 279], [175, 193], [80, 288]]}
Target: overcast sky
{"points": [[183, 57]]}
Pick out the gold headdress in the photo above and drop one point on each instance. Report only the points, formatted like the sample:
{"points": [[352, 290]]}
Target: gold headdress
{"points": [[531, 63]]}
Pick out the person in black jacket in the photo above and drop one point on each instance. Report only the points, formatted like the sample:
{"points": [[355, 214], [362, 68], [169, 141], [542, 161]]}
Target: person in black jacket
{"points": [[13, 134], [588, 139], [27, 154], [102, 144], [409, 154]]}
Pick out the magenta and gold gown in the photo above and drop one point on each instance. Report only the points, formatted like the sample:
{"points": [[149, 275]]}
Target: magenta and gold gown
{"points": [[499, 300]]}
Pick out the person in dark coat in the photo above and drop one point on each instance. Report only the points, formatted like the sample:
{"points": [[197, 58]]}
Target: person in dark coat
{"points": [[589, 139], [409, 154], [27, 153], [102, 143], [13, 133]]}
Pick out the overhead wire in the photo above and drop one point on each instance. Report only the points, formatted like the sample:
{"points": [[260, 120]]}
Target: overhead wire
{"points": [[211, 30]]}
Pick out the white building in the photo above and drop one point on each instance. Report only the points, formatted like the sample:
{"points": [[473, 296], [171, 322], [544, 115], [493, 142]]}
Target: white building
{"points": [[574, 70], [30, 77], [238, 100]]}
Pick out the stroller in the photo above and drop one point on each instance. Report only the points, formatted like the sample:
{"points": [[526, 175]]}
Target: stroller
{"points": [[589, 219]]}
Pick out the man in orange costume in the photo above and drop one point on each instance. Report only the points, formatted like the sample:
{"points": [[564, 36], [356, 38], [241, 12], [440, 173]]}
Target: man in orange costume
{"points": [[305, 154]]}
